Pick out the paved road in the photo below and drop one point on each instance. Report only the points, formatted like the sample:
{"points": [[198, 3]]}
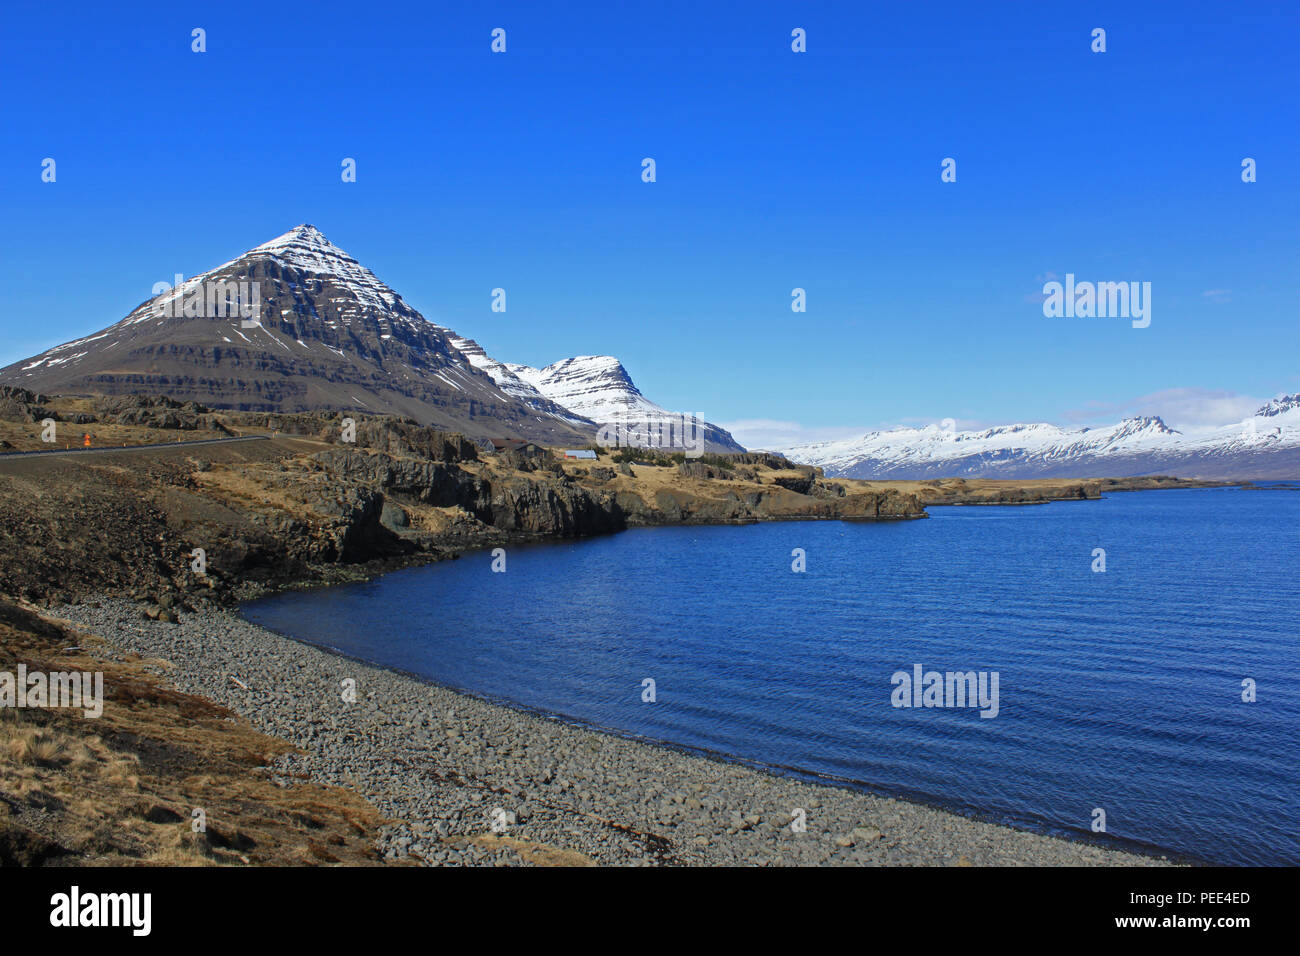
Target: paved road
{"points": [[130, 448], [230, 450]]}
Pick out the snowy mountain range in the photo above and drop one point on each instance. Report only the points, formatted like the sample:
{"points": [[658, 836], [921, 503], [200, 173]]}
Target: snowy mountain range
{"points": [[318, 330], [328, 334], [1264, 446], [591, 387]]}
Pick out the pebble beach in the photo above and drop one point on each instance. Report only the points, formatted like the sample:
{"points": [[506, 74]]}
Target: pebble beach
{"points": [[465, 781]]}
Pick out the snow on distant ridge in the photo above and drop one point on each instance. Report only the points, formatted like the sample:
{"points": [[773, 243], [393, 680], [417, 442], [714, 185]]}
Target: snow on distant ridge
{"points": [[592, 388], [511, 384], [1141, 445], [598, 387]]}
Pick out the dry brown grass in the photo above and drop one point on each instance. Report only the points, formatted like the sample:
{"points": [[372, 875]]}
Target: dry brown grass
{"points": [[121, 789], [42, 747], [245, 487], [26, 436]]}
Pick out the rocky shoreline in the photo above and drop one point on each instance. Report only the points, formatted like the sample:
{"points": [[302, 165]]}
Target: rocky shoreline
{"points": [[469, 782], [177, 536]]}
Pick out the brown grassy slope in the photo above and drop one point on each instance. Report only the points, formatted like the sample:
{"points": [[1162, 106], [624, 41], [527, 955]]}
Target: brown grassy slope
{"points": [[713, 492], [120, 789], [76, 417], [1004, 491]]}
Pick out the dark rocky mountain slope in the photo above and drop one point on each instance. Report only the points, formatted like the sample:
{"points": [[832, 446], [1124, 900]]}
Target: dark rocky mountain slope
{"points": [[328, 335]]}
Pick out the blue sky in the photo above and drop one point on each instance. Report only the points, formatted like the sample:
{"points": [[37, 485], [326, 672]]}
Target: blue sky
{"points": [[775, 170]]}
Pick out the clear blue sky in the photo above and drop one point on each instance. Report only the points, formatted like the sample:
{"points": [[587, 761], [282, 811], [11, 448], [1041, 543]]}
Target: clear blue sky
{"points": [[775, 170]]}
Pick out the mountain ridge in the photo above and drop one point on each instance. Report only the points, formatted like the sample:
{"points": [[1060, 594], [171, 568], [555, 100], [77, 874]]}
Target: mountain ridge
{"points": [[594, 388], [1264, 446], [328, 334]]}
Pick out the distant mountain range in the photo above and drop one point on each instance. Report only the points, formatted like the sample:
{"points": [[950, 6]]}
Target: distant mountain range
{"points": [[1264, 446], [330, 335]]}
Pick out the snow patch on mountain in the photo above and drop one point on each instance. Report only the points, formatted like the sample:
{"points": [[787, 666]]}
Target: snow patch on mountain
{"points": [[1142, 445], [329, 333], [599, 388], [511, 384]]}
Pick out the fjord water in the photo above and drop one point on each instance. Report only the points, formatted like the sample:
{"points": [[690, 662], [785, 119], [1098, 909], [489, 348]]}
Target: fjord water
{"points": [[1119, 690]]}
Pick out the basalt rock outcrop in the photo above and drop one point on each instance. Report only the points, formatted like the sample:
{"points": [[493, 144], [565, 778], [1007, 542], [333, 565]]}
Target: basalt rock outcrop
{"points": [[237, 519], [554, 507], [153, 411], [404, 437], [731, 506], [23, 405], [539, 502]]}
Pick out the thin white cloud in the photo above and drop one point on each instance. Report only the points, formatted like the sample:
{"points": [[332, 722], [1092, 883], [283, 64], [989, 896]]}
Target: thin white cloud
{"points": [[775, 433], [1181, 408]]}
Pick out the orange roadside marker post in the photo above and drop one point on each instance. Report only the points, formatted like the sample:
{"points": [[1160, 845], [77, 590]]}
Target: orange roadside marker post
{"points": [[86, 443]]}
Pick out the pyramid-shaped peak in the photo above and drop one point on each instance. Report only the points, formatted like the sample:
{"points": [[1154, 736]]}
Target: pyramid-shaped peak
{"points": [[305, 249], [307, 233], [305, 237]]}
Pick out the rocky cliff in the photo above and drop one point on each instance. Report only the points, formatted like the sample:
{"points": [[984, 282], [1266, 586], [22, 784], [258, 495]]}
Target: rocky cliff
{"points": [[316, 508]]}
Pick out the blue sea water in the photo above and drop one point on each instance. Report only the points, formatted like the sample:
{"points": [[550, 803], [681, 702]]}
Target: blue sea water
{"points": [[1119, 690]]}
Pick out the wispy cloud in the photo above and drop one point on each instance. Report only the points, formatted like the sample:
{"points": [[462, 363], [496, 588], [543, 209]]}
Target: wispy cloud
{"points": [[1182, 408], [774, 433], [960, 424], [1218, 296]]}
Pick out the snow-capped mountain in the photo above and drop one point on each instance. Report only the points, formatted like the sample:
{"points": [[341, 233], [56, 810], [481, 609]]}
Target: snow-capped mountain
{"points": [[512, 386], [505, 380], [592, 388], [327, 334], [1266, 445], [599, 388]]}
